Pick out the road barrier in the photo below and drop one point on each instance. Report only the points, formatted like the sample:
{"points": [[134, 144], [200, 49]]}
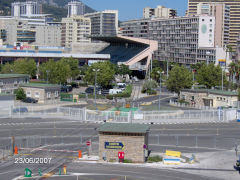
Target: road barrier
{"points": [[168, 161], [173, 153]]}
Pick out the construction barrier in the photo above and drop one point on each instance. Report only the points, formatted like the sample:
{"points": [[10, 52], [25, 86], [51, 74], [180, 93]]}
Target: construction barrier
{"points": [[171, 161], [173, 153]]}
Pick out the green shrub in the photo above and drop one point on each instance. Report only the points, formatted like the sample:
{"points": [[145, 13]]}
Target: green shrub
{"points": [[20, 94], [182, 101], [154, 159], [82, 95], [127, 161], [110, 97]]}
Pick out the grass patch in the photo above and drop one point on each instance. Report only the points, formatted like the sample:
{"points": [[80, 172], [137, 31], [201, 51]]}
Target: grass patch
{"points": [[127, 161], [154, 159], [100, 107]]}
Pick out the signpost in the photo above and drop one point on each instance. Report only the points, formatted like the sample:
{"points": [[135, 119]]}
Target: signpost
{"points": [[113, 145], [27, 173], [88, 143]]}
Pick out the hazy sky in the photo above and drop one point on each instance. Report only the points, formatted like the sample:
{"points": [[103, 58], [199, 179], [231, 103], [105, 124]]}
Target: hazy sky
{"points": [[133, 9]]}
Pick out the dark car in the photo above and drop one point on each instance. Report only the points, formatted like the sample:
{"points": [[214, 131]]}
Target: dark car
{"points": [[30, 100], [66, 88], [90, 90], [20, 110]]}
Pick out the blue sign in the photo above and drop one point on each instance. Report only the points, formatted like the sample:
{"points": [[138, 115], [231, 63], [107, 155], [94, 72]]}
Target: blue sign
{"points": [[113, 145]]}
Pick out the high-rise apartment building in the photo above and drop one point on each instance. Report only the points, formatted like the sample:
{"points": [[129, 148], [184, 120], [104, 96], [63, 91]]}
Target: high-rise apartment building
{"points": [[30, 31], [26, 9], [158, 12], [234, 5], [135, 28], [75, 29], [222, 15], [238, 49], [76, 8], [104, 22], [184, 40]]}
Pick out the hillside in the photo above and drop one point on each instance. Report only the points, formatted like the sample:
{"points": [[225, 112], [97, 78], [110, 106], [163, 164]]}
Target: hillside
{"points": [[57, 8]]}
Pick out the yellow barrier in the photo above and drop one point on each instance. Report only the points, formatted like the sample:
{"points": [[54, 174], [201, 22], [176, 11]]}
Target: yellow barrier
{"points": [[173, 153]]}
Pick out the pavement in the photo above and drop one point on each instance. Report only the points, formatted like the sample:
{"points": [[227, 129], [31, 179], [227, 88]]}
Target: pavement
{"points": [[61, 140]]}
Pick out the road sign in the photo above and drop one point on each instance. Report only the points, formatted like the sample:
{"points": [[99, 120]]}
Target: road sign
{"points": [[28, 173], [88, 143], [113, 145], [121, 155]]}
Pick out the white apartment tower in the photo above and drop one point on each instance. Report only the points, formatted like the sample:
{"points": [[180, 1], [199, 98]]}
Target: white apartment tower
{"points": [[75, 8], [75, 29], [26, 9], [222, 15], [158, 12]]}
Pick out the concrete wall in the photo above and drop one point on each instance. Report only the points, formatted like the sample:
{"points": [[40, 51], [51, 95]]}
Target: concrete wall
{"points": [[88, 48], [133, 147]]}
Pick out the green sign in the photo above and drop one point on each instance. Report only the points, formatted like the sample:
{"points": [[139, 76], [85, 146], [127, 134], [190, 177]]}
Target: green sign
{"points": [[28, 173], [113, 145], [39, 172]]}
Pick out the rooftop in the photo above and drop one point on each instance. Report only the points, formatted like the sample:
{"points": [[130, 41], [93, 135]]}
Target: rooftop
{"points": [[12, 75], [40, 85], [212, 91], [124, 128]]}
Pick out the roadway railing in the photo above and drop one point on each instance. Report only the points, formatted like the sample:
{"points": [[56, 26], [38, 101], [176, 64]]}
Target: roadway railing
{"points": [[149, 117]]}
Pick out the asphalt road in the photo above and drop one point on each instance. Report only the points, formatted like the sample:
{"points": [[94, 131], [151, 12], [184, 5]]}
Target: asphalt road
{"points": [[67, 135]]}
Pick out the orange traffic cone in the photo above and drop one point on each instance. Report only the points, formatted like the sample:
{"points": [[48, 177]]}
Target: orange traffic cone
{"points": [[16, 150]]}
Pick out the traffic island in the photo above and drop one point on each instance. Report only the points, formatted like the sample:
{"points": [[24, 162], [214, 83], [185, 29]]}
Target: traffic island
{"points": [[121, 142]]}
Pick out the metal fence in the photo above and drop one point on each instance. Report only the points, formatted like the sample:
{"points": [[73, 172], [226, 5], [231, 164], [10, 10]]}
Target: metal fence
{"points": [[156, 117]]}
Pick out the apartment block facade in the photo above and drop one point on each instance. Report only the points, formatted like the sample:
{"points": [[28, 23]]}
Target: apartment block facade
{"points": [[234, 27], [222, 15], [75, 8], [75, 29], [30, 31], [184, 40], [238, 49], [104, 22], [26, 9], [158, 12]]}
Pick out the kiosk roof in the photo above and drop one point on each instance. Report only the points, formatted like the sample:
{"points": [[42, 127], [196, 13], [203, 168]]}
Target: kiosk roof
{"points": [[124, 128]]}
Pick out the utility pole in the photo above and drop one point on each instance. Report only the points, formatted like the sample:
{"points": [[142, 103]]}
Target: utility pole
{"points": [[95, 70]]}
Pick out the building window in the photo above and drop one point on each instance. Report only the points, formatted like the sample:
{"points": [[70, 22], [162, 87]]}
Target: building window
{"points": [[48, 95], [28, 94], [37, 95], [56, 94]]}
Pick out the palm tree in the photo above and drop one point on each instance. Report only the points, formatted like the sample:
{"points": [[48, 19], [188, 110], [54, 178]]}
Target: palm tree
{"points": [[232, 70]]}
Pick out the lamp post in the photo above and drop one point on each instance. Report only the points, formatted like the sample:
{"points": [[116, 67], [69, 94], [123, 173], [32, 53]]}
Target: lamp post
{"points": [[160, 90], [47, 71], [207, 54], [95, 70]]}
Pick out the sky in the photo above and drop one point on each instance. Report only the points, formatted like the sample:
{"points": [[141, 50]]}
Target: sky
{"points": [[133, 9]]}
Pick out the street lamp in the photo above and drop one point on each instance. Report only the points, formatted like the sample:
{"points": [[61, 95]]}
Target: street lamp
{"points": [[47, 71], [160, 90], [95, 70], [207, 54]]}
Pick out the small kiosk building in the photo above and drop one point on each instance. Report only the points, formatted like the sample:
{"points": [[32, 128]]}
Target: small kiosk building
{"points": [[123, 138]]}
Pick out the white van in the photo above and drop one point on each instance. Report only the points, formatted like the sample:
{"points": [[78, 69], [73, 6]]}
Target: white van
{"points": [[115, 91]]}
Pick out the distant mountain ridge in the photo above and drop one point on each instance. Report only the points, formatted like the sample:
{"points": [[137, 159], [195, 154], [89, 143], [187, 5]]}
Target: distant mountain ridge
{"points": [[58, 8]]}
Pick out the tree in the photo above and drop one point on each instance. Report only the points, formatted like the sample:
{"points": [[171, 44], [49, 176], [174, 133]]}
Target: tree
{"points": [[179, 78], [25, 66], [55, 72], [20, 94], [7, 68], [105, 75], [148, 87], [155, 74], [232, 70], [123, 70], [210, 75], [156, 64], [73, 64]]}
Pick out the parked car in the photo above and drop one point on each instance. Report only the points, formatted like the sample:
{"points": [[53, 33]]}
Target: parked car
{"points": [[30, 100], [20, 109], [66, 88], [90, 90]]}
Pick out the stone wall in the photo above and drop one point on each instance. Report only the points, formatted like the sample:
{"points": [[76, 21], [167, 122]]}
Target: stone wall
{"points": [[198, 97], [133, 147]]}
